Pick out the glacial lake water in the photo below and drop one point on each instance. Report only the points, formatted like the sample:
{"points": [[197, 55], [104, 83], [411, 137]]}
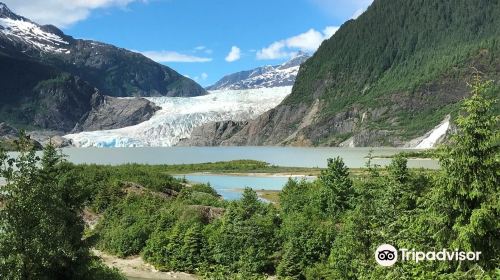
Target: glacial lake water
{"points": [[230, 187], [281, 156]]}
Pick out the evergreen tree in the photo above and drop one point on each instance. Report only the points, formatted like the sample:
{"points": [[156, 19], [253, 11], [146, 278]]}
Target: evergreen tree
{"points": [[338, 191], [466, 205], [41, 230], [192, 249]]}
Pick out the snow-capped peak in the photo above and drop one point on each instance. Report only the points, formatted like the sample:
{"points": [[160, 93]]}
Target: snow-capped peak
{"points": [[296, 60], [263, 77], [4, 7], [20, 29], [5, 12]]}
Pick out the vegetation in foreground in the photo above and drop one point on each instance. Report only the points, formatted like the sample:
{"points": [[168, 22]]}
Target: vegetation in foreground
{"points": [[326, 229], [41, 229]]}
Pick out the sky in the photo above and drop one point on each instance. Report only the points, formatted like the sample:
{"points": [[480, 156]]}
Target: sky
{"points": [[201, 39]]}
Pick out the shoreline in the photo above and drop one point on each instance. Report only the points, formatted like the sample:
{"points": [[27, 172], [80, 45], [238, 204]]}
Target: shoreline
{"points": [[255, 174]]}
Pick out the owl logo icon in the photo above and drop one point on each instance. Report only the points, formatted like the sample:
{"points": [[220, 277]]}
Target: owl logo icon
{"points": [[386, 255]]}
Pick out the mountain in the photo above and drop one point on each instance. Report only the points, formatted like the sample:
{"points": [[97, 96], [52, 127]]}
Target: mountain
{"points": [[263, 77], [388, 77], [113, 70], [49, 80]]}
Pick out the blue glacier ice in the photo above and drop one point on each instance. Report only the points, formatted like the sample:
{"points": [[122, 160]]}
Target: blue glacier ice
{"points": [[178, 117]]}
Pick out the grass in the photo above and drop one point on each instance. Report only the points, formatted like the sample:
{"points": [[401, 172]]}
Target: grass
{"points": [[425, 154], [270, 195], [237, 166], [7, 145]]}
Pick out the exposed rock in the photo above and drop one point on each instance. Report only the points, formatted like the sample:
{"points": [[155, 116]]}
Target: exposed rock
{"points": [[368, 138], [7, 132], [50, 136], [137, 189], [271, 128], [212, 134], [61, 103], [59, 142], [209, 213], [9, 136], [306, 121], [110, 113]]}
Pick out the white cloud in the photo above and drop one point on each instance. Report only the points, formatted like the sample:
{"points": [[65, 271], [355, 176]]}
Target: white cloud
{"points": [[342, 9], [329, 31], [203, 49], [308, 41], [61, 13], [274, 51], [201, 78], [234, 54], [171, 56], [358, 13]]}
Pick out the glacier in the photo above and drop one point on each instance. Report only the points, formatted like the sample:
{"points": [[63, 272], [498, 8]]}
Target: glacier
{"points": [[178, 117]]}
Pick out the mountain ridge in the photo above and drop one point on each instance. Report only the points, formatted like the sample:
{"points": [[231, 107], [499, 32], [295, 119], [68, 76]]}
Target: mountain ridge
{"points": [[114, 70], [263, 77]]}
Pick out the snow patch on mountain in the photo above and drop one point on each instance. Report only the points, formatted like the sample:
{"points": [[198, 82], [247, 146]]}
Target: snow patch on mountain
{"points": [[263, 77], [21, 29], [178, 117]]}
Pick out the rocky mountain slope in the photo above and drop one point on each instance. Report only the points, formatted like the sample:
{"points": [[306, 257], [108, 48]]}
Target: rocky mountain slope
{"points": [[37, 96], [263, 77], [110, 112], [212, 134], [385, 78], [49, 80]]}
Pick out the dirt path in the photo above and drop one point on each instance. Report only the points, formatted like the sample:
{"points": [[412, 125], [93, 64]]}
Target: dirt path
{"points": [[136, 269]]}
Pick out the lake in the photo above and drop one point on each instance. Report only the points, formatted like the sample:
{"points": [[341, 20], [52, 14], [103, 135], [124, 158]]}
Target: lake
{"points": [[281, 156], [230, 187]]}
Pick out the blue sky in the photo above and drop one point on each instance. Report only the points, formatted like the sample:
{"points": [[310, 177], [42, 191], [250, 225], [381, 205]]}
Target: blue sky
{"points": [[203, 39]]}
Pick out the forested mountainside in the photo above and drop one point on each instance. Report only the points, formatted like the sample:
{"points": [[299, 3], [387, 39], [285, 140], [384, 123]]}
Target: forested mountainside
{"points": [[387, 77], [47, 78]]}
